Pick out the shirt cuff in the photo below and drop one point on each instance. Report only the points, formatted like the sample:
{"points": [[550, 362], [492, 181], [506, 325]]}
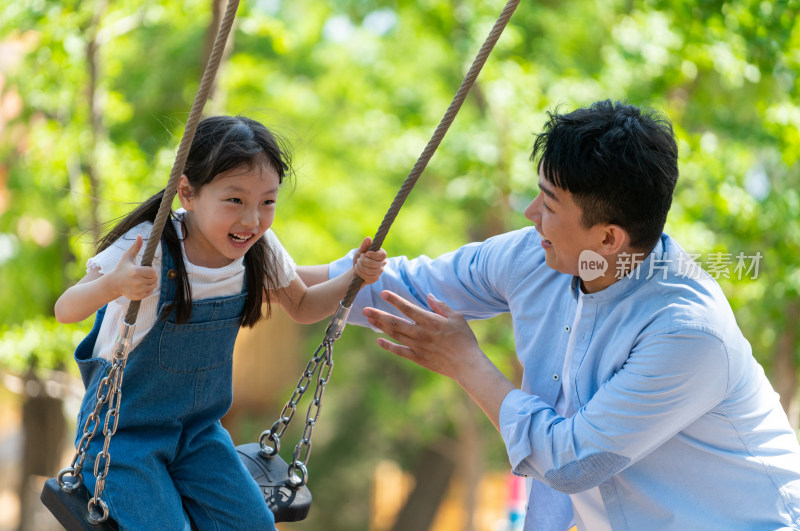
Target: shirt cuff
{"points": [[516, 416], [341, 265], [364, 297]]}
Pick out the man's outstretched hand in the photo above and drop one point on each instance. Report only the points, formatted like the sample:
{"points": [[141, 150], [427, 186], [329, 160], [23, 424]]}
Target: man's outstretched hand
{"points": [[443, 342]]}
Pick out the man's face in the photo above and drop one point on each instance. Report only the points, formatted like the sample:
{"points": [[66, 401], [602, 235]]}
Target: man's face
{"points": [[558, 220]]}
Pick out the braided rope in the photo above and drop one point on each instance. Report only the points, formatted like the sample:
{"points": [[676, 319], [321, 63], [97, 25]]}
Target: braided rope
{"points": [[435, 140], [206, 84]]}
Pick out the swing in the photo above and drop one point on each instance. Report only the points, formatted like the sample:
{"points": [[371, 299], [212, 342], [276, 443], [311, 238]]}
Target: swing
{"points": [[283, 485]]}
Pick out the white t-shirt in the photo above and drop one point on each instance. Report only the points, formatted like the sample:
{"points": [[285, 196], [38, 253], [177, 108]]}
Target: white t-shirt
{"points": [[206, 282]]}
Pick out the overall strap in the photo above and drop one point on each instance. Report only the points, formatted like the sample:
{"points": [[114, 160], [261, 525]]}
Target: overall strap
{"points": [[169, 274], [170, 277]]}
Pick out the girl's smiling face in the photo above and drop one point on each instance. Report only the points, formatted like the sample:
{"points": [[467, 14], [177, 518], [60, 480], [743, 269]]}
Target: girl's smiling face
{"points": [[227, 216]]}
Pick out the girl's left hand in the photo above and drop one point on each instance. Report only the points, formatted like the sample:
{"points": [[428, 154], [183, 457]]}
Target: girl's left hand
{"points": [[369, 264]]}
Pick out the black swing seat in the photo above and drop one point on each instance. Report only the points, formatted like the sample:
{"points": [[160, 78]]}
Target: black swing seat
{"points": [[288, 504], [70, 508]]}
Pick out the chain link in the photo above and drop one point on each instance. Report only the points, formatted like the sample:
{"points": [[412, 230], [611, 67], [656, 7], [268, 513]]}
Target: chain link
{"points": [[302, 452], [104, 457], [109, 391], [274, 434], [321, 362]]}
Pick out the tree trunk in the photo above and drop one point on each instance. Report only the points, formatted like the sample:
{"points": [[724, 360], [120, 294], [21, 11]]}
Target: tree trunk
{"points": [[785, 370], [431, 480], [43, 428], [95, 113]]}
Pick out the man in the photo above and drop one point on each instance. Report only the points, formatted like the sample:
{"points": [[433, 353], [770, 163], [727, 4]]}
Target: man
{"points": [[640, 397]]}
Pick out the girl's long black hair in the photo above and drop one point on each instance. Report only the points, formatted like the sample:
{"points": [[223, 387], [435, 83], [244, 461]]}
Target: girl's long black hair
{"points": [[221, 143]]}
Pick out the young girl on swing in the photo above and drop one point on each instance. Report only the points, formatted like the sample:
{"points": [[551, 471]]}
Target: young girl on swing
{"points": [[174, 465]]}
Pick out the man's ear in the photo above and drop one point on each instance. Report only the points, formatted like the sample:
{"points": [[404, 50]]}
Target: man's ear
{"points": [[615, 240], [185, 193]]}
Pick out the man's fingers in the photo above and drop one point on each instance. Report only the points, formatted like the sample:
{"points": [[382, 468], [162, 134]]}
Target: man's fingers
{"points": [[388, 324], [394, 348], [415, 313], [439, 307]]}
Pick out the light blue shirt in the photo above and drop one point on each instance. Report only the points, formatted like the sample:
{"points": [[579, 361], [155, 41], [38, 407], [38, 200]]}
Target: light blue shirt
{"points": [[675, 420]]}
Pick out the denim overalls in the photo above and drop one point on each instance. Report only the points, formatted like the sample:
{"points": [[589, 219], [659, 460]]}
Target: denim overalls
{"points": [[170, 456]]}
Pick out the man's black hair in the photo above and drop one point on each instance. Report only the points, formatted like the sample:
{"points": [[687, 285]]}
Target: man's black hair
{"points": [[619, 162]]}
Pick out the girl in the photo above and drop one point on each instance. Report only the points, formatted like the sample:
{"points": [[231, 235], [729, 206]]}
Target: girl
{"points": [[174, 465]]}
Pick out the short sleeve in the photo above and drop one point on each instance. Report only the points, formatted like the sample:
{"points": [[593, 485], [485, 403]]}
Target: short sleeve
{"points": [[287, 269], [106, 260]]}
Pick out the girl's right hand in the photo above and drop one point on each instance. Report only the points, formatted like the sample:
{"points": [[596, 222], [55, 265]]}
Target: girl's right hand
{"points": [[131, 280]]}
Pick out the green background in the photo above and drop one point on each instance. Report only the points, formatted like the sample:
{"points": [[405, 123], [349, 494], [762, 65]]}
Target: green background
{"points": [[94, 97]]}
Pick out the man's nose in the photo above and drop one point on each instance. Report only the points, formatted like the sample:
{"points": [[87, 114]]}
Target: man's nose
{"points": [[534, 210]]}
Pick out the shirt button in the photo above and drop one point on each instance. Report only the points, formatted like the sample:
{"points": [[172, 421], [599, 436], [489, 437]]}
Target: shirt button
{"points": [[172, 274], [555, 377], [566, 328]]}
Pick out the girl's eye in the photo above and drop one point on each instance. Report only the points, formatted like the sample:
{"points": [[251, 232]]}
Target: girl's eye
{"points": [[235, 200], [269, 202]]}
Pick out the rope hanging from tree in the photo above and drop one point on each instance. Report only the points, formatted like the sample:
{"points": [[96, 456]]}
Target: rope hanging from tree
{"points": [[322, 360], [59, 494], [436, 139], [206, 84], [64, 498]]}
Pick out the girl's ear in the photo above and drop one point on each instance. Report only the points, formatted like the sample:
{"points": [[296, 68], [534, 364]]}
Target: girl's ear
{"points": [[185, 193]]}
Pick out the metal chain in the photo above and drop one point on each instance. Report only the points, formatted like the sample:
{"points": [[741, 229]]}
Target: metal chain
{"points": [[109, 391], [104, 457], [298, 473], [321, 362], [336, 326], [110, 387]]}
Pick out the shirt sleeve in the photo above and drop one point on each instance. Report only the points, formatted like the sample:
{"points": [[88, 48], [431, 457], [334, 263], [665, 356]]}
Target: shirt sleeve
{"points": [[105, 261], [287, 269], [474, 279], [669, 381]]}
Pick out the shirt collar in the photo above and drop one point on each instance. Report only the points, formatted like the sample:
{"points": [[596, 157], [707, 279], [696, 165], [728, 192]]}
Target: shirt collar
{"points": [[628, 283]]}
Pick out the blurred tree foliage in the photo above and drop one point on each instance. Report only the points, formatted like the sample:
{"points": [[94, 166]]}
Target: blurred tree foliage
{"points": [[93, 98]]}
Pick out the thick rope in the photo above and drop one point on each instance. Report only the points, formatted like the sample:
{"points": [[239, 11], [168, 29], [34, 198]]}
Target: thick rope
{"points": [[435, 140], [206, 84]]}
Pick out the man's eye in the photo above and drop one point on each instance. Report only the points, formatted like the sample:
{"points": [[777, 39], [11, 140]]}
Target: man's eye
{"points": [[546, 207]]}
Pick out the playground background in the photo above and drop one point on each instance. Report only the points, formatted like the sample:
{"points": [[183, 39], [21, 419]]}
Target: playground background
{"points": [[93, 99]]}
